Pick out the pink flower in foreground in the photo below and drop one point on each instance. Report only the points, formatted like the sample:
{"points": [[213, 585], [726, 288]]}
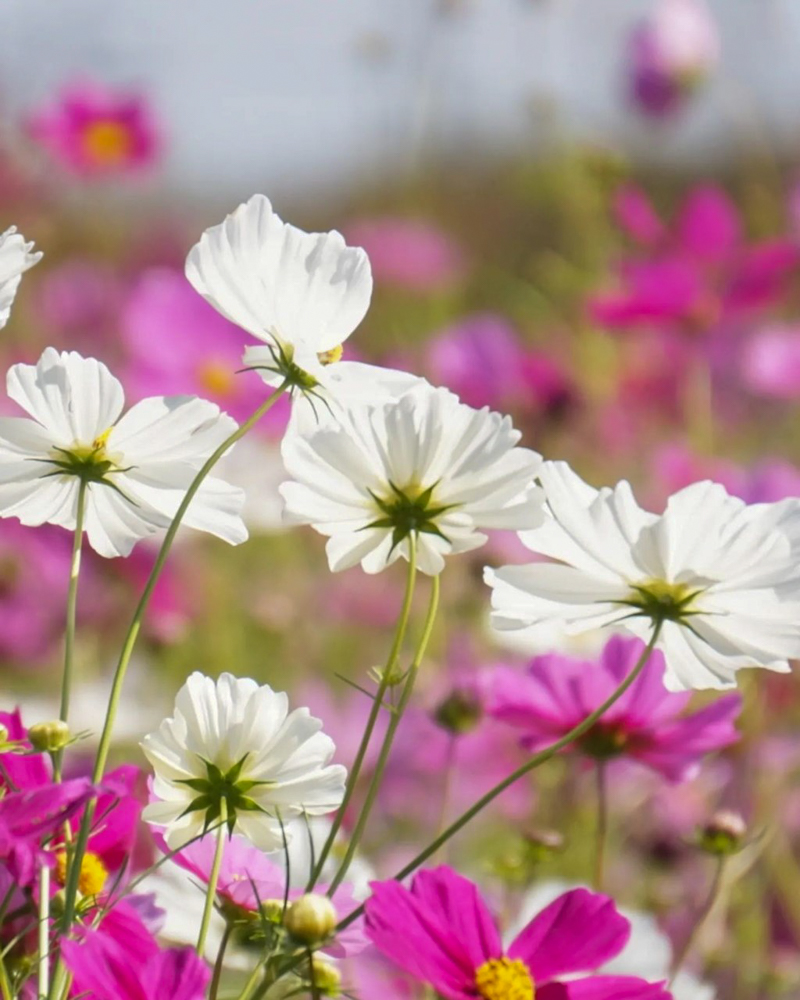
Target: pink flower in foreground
{"points": [[645, 724], [442, 933], [96, 130], [409, 253]]}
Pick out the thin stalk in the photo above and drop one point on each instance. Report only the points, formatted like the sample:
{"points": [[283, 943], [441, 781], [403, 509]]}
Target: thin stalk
{"points": [[72, 606], [71, 888], [447, 781], [217, 975], [252, 983], [5, 985], [44, 931], [601, 836], [388, 739], [213, 880], [705, 909], [377, 704], [536, 761]]}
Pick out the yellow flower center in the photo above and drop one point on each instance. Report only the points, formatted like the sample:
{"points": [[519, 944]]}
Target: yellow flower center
{"points": [[332, 356], [107, 142], [216, 378], [93, 873], [664, 600], [505, 979]]}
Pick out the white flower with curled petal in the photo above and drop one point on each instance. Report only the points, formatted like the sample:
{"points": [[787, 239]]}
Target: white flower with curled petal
{"points": [[16, 257], [720, 577], [233, 746], [423, 465], [136, 467]]}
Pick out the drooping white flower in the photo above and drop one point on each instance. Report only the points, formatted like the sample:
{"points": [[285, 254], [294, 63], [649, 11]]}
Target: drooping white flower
{"points": [[721, 576], [16, 257], [232, 740], [136, 467], [424, 465]]}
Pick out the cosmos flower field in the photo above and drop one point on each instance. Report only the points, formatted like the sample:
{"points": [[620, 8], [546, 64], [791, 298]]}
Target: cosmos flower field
{"points": [[399, 592]]}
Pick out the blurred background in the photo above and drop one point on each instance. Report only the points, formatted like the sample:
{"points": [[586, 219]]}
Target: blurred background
{"points": [[585, 213]]}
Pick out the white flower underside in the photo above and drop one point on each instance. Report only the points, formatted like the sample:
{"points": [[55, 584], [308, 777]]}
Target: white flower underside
{"points": [[155, 451], [425, 440], [16, 257], [739, 560], [233, 720]]}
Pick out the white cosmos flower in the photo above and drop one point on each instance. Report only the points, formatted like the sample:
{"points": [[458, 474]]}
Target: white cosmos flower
{"points": [[722, 576], [300, 293], [424, 465], [137, 467], [231, 739], [16, 257]]}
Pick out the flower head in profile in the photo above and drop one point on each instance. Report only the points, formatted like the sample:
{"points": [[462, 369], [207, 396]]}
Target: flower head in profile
{"points": [[94, 130], [16, 257], [645, 724], [135, 467], [718, 577], [234, 749], [425, 468], [442, 933]]}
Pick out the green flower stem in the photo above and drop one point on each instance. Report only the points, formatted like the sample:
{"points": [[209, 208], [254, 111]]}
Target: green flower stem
{"points": [[213, 879], [72, 605], [5, 985], [377, 704], [223, 947], [540, 758], [705, 909], [388, 739], [71, 889], [601, 835], [44, 931]]}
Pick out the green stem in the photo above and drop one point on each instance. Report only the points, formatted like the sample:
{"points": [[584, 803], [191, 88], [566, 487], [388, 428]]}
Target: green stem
{"points": [[217, 976], [44, 931], [538, 759], [705, 909], [5, 985], [388, 739], [71, 888], [72, 605], [252, 983], [377, 704], [602, 825], [213, 879]]}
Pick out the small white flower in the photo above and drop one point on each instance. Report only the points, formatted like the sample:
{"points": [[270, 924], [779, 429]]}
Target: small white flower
{"points": [[232, 740], [136, 467], [300, 293], [424, 465], [16, 257], [720, 575]]}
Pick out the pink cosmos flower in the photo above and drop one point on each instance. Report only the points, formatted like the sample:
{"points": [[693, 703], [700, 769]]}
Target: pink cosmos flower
{"points": [[178, 344], [409, 253], [671, 52], [78, 302], [770, 362], [442, 933], [94, 130], [645, 724]]}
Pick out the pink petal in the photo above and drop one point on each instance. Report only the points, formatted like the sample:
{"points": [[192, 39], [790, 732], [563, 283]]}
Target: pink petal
{"points": [[604, 988], [709, 226], [635, 214]]}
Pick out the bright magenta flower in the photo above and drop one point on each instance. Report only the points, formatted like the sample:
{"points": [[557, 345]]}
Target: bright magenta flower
{"points": [[94, 130], [442, 933]]}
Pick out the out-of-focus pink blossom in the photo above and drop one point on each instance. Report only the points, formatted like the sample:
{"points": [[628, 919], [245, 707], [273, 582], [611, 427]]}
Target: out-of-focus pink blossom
{"points": [[671, 53], [169, 610], [79, 302], [646, 724], [771, 362], [408, 253]]}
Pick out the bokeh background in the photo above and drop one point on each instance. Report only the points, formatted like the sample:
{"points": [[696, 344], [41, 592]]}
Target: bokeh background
{"points": [[585, 213]]}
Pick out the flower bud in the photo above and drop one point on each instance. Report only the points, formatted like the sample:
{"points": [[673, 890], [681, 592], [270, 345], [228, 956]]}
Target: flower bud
{"points": [[723, 834], [325, 977], [311, 918], [49, 737], [272, 910], [3, 735], [460, 712]]}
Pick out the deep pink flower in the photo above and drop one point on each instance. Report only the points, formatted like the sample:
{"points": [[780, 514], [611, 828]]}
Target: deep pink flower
{"points": [[442, 933], [671, 53], [21, 771], [645, 724], [178, 344], [409, 253], [94, 130]]}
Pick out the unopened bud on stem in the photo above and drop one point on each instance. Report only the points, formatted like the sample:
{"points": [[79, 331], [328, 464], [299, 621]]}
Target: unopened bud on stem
{"points": [[311, 918], [49, 737]]}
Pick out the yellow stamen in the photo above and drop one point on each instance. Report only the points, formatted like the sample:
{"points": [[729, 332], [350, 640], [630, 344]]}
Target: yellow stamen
{"points": [[93, 873], [505, 979], [107, 142], [332, 356], [216, 378]]}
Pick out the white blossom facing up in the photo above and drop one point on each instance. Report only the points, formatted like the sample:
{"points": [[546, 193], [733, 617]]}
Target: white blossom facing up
{"points": [[16, 257], [721, 576], [423, 465], [234, 746], [136, 467], [300, 293]]}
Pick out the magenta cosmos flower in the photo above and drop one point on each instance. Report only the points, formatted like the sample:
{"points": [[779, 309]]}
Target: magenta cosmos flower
{"points": [[442, 933], [95, 130], [645, 724]]}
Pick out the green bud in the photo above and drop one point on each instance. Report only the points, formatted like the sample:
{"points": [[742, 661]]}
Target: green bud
{"points": [[49, 737], [272, 910], [311, 918], [460, 712], [723, 834], [325, 977]]}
